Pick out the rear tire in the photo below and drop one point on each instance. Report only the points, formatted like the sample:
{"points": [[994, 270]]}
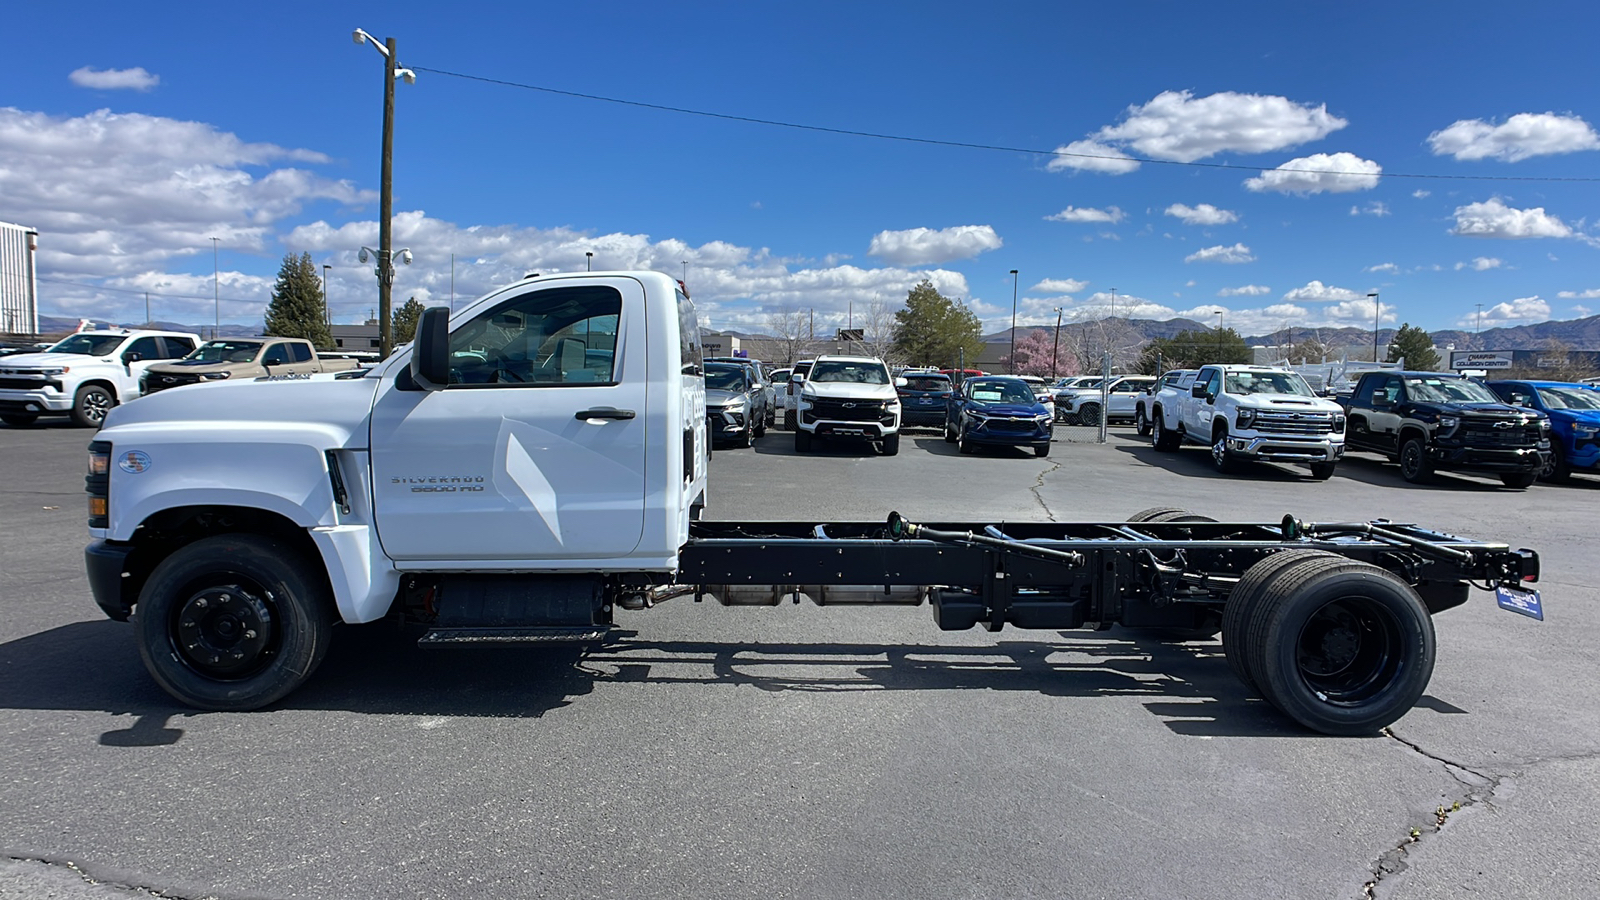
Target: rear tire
{"points": [[19, 420], [1342, 647], [1242, 602], [90, 406], [1141, 422], [231, 623], [1415, 466], [1519, 480], [891, 444]]}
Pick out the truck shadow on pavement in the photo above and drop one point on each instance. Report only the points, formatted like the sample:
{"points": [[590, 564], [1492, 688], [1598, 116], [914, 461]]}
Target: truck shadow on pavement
{"points": [[376, 670]]}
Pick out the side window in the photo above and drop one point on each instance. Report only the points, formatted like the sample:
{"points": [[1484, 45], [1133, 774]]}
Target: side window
{"points": [[1391, 390], [559, 336], [1214, 382], [276, 355], [300, 352], [144, 348], [176, 347], [688, 337]]}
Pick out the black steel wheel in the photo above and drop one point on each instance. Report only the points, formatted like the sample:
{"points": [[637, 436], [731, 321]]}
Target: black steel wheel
{"points": [[1415, 466], [231, 623], [90, 406], [1341, 647]]}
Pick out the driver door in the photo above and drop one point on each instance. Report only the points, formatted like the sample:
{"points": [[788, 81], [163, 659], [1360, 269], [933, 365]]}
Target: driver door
{"points": [[535, 451]]}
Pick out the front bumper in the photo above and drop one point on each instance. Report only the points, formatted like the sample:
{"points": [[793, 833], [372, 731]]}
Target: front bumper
{"points": [[106, 562], [39, 401], [726, 424], [1524, 459], [985, 433], [1281, 449]]}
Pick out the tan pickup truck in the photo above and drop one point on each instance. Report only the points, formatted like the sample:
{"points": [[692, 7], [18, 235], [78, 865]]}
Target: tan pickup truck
{"points": [[234, 358]]}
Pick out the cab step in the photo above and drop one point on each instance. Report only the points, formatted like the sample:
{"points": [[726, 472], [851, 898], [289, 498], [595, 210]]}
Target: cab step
{"points": [[517, 634]]}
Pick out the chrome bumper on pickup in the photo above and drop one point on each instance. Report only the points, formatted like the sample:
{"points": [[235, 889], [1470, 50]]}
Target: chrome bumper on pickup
{"points": [[1284, 449]]}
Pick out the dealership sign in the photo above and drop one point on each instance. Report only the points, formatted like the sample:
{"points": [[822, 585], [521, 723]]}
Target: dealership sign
{"points": [[1480, 359]]}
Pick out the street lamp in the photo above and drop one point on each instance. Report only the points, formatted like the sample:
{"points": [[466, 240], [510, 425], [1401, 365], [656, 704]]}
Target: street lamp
{"points": [[1377, 308], [327, 311], [1055, 344], [1219, 335], [385, 267], [216, 289], [588, 260], [1012, 366]]}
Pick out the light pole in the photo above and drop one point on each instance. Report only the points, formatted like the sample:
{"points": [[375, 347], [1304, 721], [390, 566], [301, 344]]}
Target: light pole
{"points": [[1055, 344], [1480, 319], [385, 267], [1011, 368], [588, 260], [327, 311], [216, 289], [1219, 335], [1377, 309]]}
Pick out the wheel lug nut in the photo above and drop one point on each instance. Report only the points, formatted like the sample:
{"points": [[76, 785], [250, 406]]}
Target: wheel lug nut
{"points": [[200, 602]]}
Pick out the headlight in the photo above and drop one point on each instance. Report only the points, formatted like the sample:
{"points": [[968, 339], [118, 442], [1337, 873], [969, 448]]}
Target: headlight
{"points": [[1043, 418], [1585, 431], [1544, 424], [739, 403], [1245, 417], [216, 376], [1338, 424], [892, 404], [59, 370]]}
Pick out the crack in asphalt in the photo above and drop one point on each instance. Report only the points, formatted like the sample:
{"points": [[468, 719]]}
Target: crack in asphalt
{"points": [[1038, 483], [104, 879]]}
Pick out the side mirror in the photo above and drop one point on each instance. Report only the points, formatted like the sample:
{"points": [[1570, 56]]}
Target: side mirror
{"points": [[430, 351], [1198, 391], [1379, 401], [131, 357], [900, 382]]}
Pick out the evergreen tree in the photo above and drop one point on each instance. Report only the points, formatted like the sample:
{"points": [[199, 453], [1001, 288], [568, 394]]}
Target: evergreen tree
{"points": [[1192, 349], [933, 329], [405, 319], [298, 308], [1416, 346]]}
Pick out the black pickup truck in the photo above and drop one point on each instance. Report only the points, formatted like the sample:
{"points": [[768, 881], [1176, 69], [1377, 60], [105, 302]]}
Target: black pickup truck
{"points": [[1436, 420]]}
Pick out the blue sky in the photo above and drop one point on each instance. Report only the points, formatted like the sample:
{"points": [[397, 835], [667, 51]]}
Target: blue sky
{"points": [[129, 136]]}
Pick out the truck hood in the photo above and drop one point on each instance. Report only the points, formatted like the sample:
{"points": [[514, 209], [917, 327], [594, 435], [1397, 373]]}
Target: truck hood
{"points": [[1289, 403], [50, 360], [1479, 410], [195, 366], [1014, 410], [1580, 416], [722, 398], [325, 401], [849, 390]]}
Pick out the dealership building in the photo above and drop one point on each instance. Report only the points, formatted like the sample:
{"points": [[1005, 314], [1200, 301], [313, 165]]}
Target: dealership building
{"points": [[19, 280]]}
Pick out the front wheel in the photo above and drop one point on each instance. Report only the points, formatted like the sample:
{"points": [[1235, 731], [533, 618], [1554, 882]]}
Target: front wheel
{"points": [[949, 433], [966, 444], [1322, 471], [231, 623], [1556, 469], [1221, 458], [1341, 647], [1089, 414], [802, 441], [1415, 466], [19, 420], [90, 406], [891, 444], [1041, 449], [1519, 480], [1164, 440]]}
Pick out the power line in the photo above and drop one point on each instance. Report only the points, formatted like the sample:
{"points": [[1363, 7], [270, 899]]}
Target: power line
{"points": [[975, 146]]}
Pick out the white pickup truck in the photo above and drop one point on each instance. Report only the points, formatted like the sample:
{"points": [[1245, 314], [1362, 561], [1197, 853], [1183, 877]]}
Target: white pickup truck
{"points": [[536, 462], [1250, 412], [85, 374]]}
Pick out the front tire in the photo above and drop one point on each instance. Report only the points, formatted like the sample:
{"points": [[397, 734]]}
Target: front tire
{"points": [[1089, 414], [1221, 457], [966, 444], [1162, 439], [1519, 480], [1041, 449], [19, 420], [1343, 648], [949, 433], [231, 623], [1322, 471], [1415, 466], [802, 441], [1557, 471], [891, 444], [90, 406]]}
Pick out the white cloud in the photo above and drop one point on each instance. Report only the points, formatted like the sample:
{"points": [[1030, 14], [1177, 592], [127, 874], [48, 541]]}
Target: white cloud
{"points": [[1520, 137], [1088, 214], [1493, 219], [1317, 292], [1374, 208], [1523, 309], [1582, 311], [1335, 173], [1383, 267], [1176, 125], [925, 246], [1248, 290], [135, 79], [1091, 156], [1419, 193], [1480, 264], [1590, 294], [1204, 214], [1059, 286], [1238, 253]]}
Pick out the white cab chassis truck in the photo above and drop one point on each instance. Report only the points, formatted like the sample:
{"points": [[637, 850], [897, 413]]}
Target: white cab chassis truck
{"points": [[1250, 412], [536, 462]]}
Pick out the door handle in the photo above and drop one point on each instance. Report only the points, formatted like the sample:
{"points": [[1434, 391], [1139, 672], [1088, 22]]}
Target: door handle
{"points": [[604, 412]]}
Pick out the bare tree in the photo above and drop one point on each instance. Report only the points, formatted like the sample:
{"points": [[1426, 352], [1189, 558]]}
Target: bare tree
{"points": [[1312, 349], [791, 332], [878, 326], [1096, 329]]}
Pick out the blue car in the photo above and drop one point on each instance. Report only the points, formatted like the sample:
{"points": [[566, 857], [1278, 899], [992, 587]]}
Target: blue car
{"points": [[924, 398], [1574, 411], [999, 411]]}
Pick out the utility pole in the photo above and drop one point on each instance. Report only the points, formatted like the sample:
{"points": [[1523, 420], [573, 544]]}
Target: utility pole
{"points": [[1377, 311], [391, 68], [1011, 368], [147, 309], [327, 310], [1055, 344]]}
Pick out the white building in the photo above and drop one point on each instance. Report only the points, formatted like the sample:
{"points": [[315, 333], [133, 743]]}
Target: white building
{"points": [[19, 280]]}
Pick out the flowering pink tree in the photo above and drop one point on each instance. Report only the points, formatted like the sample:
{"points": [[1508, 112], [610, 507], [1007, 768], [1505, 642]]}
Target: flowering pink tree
{"points": [[1034, 352]]}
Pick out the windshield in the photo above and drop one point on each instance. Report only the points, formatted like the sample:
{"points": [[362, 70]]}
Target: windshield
{"points": [[89, 344], [1569, 398], [1267, 383], [987, 392], [226, 351], [719, 378], [856, 372], [1448, 390]]}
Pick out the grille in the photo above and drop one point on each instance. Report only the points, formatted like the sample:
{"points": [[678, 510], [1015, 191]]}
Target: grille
{"points": [[1012, 425], [27, 384], [1294, 423], [158, 382], [837, 411], [1483, 433]]}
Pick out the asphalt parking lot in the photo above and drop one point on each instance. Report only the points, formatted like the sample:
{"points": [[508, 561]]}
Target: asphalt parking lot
{"points": [[814, 753]]}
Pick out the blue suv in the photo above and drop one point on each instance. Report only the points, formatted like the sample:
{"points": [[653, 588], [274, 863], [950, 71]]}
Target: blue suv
{"points": [[1574, 411], [997, 410], [924, 398]]}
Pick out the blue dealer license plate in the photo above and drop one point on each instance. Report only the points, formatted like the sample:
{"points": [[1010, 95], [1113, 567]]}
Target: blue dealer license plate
{"points": [[1520, 601]]}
